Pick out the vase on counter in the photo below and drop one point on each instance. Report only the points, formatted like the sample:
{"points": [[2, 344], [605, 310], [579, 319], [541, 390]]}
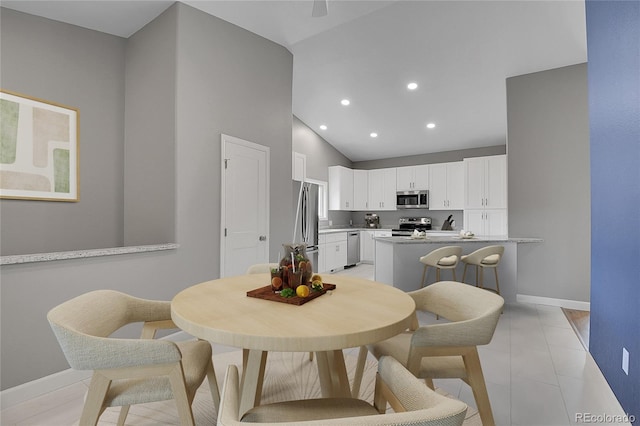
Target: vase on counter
{"points": [[295, 261]]}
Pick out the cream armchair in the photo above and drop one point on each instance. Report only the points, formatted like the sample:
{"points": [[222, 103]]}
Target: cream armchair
{"points": [[449, 350], [130, 371], [413, 404]]}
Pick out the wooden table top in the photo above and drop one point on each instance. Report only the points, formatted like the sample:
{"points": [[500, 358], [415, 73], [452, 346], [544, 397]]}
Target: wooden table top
{"points": [[356, 313]]}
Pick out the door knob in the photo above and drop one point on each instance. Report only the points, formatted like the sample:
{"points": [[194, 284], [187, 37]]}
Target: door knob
{"points": [[262, 238]]}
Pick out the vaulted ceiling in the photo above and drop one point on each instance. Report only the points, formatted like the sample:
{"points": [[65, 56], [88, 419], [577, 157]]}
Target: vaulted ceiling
{"points": [[459, 54]]}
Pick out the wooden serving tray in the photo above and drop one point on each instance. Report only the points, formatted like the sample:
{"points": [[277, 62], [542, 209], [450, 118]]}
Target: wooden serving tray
{"points": [[267, 294]]}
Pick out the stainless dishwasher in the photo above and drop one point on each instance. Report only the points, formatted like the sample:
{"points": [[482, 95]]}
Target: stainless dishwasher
{"points": [[353, 248]]}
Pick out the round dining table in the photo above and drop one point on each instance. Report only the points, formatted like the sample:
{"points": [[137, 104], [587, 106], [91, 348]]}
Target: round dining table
{"points": [[356, 313]]}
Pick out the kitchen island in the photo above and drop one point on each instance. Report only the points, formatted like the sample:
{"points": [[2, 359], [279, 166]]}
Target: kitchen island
{"points": [[397, 261]]}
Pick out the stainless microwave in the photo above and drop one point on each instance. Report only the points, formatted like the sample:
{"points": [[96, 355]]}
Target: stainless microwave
{"points": [[412, 199]]}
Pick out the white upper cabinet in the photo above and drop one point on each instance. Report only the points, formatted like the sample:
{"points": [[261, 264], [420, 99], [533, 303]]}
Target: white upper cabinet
{"points": [[299, 169], [446, 186], [340, 188], [382, 189], [360, 190], [412, 178], [486, 182]]}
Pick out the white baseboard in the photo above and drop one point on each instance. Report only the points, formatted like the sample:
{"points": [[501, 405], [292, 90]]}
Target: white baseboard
{"points": [[563, 303], [35, 388]]}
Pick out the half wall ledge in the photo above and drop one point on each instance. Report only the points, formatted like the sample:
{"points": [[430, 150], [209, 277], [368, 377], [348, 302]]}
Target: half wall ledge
{"points": [[79, 254]]}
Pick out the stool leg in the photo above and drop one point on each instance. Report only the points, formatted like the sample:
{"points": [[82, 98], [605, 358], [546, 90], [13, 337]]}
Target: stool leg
{"points": [[477, 276], [454, 274], [424, 273], [464, 272], [495, 270], [481, 276]]}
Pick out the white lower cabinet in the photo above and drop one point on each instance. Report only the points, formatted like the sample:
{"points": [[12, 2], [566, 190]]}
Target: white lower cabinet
{"points": [[489, 222], [332, 251], [366, 246]]}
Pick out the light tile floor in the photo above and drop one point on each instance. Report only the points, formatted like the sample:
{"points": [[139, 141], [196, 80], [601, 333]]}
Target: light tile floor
{"points": [[536, 370]]}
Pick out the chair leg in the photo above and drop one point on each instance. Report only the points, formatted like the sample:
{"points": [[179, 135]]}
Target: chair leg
{"points": [[437, 274], [357, 378], [464, 272], [475, 378], [495, 270], [94, 402], [477, 282], [454, 274], [179, 388], [310, 356], [123, 414], [424, 274], [429, 383]]}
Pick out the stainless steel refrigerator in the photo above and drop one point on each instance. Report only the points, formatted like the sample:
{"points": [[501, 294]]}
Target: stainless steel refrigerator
{"points": [[305, 214]]}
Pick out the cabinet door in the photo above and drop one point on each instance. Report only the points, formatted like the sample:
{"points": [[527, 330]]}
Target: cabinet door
{"points": [[438, 186], [421, 177], [366, 246], [389, 189], [322, 258], [455, 186], [299, 169], [360, 190], [376, 182], [474, 221], [340, 188], [496, 182], [496, 222], [474, 180], [405, 178]]}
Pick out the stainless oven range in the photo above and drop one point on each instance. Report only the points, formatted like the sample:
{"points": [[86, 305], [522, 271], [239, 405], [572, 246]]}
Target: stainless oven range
{"points": [[407, 225]]}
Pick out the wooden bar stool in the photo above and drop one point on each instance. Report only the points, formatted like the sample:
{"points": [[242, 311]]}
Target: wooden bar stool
{"points": [[442, 258], [486, 257]]}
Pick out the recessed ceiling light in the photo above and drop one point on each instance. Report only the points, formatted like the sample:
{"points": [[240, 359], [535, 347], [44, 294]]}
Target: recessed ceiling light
{"points": [[373, 135], [412, 86], [431, 125], [345, 102], [323, 127]]}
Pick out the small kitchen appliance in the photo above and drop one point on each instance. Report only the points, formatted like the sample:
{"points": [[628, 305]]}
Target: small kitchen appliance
{"points": [[406, 226], [371, 220]]}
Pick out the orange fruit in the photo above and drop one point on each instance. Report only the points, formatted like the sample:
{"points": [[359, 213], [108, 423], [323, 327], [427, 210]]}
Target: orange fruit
{"points": [[276, 282], [302, 291], [316, 277]]}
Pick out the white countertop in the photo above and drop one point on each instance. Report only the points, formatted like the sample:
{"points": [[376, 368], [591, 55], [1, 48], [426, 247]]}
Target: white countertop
{"points": [[333, 230]]}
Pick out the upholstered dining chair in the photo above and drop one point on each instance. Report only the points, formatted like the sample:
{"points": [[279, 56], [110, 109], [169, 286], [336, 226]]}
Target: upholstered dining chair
{"points": [[261, 268], [412, 401], [441, 258], [449, 349], [130, 371]]}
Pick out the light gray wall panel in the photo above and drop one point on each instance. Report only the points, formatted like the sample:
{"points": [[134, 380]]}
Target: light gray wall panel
{"points": [[230, 82], [83, 69], [150, 135], [215, 63], [549, 182]]}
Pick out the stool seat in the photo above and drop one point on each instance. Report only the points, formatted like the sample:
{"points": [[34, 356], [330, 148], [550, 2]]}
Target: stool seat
{"points": [[486, 257], [441, 258]]}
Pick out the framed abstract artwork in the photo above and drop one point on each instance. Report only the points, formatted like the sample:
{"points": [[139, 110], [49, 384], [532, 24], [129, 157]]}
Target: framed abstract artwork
{"points": [[38, 149]]}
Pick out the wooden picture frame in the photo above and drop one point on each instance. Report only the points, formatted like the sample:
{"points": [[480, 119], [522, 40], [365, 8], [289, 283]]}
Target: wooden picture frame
{"points": [[39, 152]]}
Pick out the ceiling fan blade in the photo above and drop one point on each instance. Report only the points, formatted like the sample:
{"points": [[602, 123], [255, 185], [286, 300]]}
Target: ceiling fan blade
{"points": [[319, 8]]}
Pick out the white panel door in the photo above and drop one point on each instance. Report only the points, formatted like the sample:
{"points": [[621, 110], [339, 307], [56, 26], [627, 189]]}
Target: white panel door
{"points": [[245, 205]]}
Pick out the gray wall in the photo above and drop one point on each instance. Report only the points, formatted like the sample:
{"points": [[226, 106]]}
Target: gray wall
{"points": [[549, 181], [228, 80], [436, 157], [150, 135], [320, 155], [64, 64]]}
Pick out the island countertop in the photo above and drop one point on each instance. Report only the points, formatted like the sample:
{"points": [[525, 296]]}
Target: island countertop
{"points": [[439, 239]]}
